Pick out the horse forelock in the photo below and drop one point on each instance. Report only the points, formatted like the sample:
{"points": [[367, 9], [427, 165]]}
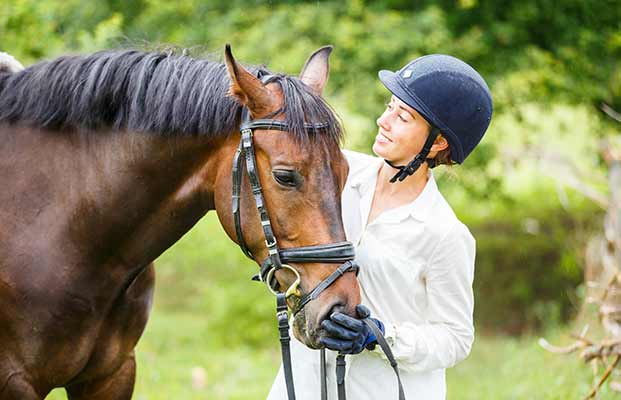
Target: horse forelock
{"points": [[154, 92], [302, 105]]}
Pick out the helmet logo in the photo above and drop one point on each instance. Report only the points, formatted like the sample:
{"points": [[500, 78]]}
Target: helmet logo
{"points": [[407, 73]]}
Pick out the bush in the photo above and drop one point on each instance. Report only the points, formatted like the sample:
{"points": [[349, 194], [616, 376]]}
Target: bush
{"points": [[528, 267]]}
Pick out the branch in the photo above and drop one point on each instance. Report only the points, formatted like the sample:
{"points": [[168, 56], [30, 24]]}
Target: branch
{"points": [[561, 350], [611, 112], [603, 378]]}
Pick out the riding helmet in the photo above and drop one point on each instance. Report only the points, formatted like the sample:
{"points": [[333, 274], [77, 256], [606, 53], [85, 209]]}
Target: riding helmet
{"points": [[449, 94]]}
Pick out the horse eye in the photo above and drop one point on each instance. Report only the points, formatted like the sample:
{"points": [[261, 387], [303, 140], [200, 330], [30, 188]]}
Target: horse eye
{"points": [[288, 178]]}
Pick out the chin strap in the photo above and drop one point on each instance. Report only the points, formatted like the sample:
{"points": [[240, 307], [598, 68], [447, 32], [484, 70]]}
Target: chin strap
{"points": [[407, 170]]}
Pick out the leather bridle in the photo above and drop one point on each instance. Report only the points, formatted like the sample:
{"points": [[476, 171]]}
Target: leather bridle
{"points": [[338, 253], [277, 259]]}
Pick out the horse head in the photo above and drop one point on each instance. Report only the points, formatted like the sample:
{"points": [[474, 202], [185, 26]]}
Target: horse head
{"points": [[302, 173]]}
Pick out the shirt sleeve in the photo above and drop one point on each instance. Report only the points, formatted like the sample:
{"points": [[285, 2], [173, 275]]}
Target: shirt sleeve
{"points": [[446, 337]]}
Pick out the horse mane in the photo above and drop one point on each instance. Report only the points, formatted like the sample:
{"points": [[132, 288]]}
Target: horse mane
{"points": [[154, 92]]}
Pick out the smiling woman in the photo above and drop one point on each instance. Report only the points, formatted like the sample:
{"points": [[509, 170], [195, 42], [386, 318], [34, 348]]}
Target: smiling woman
{"points": [[416, 258]]}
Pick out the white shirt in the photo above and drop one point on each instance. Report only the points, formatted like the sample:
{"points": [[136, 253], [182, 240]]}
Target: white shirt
{"points": [[416, 271]]}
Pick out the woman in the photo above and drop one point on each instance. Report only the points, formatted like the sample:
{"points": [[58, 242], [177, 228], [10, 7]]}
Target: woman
{"points": [[416, 257]]}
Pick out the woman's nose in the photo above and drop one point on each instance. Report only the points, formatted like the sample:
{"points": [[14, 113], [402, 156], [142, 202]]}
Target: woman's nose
{"points": [[382, 122]]}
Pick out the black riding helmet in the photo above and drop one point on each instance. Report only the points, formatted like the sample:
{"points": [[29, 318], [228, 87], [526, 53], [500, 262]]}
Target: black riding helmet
{"points": [[451, 96]]}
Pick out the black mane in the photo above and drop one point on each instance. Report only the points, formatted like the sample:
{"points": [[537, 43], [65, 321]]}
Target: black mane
{"points": [[157, 92]]}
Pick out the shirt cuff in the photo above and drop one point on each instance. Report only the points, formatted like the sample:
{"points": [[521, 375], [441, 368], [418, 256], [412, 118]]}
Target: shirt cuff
{"points": [[390, 335]]}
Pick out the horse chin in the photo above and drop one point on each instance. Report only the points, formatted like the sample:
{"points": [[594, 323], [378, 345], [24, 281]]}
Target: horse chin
{"points": [[305, 334]]}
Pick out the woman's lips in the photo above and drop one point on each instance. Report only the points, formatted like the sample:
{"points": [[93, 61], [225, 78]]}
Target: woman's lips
{"points": [[381, 138]]}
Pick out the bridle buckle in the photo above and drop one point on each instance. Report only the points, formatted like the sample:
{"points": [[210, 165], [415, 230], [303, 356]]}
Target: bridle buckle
{"points": [[270, 244]]}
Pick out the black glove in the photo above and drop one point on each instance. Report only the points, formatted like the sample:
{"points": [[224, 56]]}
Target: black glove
{"points": [[350, 335]]}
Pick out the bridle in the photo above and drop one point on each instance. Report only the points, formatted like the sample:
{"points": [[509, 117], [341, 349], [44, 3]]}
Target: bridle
{"points": [[338, 253], [341, 252]]}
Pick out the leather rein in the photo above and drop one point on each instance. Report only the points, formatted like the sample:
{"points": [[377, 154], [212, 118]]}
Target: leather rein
{"points": [[338, 253]]}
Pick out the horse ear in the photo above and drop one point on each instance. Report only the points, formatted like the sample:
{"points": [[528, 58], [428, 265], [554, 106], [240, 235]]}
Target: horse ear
{"points": [[9, 64], [315, 71], [247, 88]]}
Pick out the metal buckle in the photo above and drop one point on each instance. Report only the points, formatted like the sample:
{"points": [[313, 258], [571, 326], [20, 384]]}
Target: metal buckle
{"points": [[293, 290], [270, 244]]}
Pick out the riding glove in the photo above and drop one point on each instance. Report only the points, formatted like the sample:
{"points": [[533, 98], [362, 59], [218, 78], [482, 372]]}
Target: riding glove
{"points": [[350, 335]]}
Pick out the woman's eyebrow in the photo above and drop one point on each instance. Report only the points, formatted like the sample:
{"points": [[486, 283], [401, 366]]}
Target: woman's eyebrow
{"points": [[407, 111], [394, 100]]}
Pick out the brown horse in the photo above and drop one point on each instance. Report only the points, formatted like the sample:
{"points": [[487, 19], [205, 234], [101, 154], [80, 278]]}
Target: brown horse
{"points": [[105, 162]]}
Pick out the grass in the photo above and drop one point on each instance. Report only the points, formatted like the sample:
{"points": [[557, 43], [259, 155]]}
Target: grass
{"points": [[212, 335], [517, 368]]}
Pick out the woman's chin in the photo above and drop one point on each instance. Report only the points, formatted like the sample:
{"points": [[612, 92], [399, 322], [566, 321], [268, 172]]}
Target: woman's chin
{"points": [[380, 149]]}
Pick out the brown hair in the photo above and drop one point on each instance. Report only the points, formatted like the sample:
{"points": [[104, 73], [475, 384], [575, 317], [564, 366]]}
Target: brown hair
{"points": [[444, 157]]}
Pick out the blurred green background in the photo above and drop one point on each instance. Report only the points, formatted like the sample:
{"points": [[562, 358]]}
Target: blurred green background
{"points": [[550, 66]]}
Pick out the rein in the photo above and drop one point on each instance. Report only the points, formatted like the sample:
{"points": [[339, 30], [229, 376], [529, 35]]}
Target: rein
{"points": [[338, 253]]}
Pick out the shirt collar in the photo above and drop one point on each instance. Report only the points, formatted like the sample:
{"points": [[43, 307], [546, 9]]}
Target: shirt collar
{"points": [[366, 178], [418, 209]]}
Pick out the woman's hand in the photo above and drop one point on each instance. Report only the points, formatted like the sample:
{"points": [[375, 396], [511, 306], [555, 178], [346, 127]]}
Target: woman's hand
{"points": [[350, 335]]}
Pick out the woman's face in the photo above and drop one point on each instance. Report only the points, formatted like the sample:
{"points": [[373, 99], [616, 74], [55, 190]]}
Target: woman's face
{"points": [[402, 133]]}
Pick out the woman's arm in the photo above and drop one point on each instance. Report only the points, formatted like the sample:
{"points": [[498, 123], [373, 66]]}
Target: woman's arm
{"points": [[447, 336]]}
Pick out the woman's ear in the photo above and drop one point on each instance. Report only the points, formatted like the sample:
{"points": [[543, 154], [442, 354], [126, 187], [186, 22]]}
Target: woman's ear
{"points": [[439, 144]]}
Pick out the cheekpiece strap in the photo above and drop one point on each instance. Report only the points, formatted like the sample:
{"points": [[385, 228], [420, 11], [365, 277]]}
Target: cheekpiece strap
{"points": [[255, 183]]}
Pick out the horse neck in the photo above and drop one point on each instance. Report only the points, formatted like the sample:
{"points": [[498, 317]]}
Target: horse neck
{"points": [[125, 197], [166, 187]]}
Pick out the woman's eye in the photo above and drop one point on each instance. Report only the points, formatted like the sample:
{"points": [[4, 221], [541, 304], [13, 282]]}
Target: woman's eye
{"points": [[402, 119], [288, 178], [389, 106]]}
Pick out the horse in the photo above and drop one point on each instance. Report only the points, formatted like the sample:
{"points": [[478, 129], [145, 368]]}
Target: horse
{"points": [[108, 159]]}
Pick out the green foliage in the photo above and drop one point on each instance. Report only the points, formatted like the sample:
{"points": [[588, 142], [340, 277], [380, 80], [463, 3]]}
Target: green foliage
{"points": [[529, 262], [531, 51], [31, 30]]}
